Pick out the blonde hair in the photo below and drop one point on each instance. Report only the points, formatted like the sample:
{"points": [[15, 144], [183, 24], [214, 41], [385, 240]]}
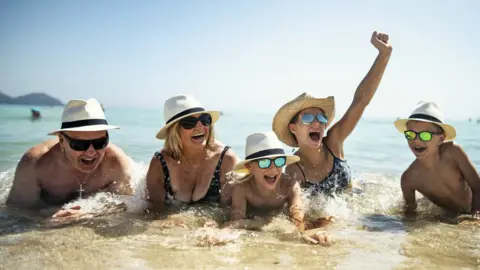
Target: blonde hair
{"points": [[173, 142]]}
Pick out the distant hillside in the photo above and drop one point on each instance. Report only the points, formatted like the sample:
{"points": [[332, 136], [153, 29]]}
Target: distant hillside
{"points": [[37, 99], [4, 99]]}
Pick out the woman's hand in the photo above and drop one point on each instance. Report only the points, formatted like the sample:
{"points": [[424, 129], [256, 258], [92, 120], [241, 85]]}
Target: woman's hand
{"points": [[380, 41]]}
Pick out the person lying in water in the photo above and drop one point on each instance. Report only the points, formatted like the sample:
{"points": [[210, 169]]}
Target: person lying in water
{"points": [[79, 162], [442, 171], [303, 123], [265, 187], [191, 167]]}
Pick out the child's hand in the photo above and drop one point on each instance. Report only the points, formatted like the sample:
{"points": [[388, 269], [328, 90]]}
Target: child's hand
{"points": [[476, 206], [319, 237]]}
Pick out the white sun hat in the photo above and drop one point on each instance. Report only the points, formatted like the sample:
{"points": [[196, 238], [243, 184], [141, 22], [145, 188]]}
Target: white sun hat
{"points": [[83, 115], [263, 145], [179, 107], [427, 112]]}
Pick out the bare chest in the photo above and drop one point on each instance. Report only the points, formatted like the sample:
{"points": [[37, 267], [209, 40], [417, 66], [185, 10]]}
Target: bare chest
{"points": [[444, 179], [192, 185], [61, 183]]}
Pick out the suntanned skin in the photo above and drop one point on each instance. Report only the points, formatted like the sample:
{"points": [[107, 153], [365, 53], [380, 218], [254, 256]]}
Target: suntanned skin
{"points": [[442, 172], [316, 161], [265, 195], [54, 167], [191, 178]]}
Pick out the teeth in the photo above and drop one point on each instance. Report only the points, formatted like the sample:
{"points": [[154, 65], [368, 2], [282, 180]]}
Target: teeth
{"points": [[195, 135]]}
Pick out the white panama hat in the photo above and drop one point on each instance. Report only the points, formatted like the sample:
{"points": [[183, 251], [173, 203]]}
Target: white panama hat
{"points": [[179, 107], [83, 115], [427, 112], [263, 145]]}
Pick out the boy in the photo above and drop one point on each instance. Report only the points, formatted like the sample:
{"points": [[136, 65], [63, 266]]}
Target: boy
{"points": [[442, 172]]}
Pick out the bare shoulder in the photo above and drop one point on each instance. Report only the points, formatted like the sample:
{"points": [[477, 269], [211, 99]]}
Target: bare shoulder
{"points": [[117, 157], [37, 153], [287, 181], [294, 172], [452, 149], [409, 174]]}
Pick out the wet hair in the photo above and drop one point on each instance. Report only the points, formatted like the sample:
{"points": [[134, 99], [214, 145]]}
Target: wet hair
{"points": [[173, 142]]}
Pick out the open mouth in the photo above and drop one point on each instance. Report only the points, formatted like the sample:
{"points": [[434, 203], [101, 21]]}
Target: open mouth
{"points": [[270, 179], [88, 161], [418, 149], [199, 137], [314, 136]]}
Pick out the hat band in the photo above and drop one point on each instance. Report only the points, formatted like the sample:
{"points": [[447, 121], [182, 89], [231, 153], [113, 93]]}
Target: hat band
{"points": [[82, 123], [189, 111], [425, 117], [268, 152]]}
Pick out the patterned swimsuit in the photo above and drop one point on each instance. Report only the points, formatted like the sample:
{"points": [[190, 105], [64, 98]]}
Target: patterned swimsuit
{"points": [[336, 181], [213, 192]]}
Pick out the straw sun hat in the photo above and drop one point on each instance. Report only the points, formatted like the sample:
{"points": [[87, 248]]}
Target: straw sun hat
{"points": [[285, 114]]}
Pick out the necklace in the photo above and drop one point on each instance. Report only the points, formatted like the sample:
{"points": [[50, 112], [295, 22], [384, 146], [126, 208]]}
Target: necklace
{"points": [[80, 190], [194, 166]]}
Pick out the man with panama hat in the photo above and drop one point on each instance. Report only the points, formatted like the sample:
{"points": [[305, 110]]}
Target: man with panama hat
{"points": [[442, 171], [80, 161]]}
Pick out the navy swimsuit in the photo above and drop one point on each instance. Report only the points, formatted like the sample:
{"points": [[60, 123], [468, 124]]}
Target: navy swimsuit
{"points": [[336, 181], [213, 192]]}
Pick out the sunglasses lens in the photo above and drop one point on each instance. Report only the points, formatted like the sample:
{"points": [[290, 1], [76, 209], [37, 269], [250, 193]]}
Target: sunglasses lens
{"points": [[206, 119], [322, 119], [188, 122], [307, 119], [280, 161], [100, 143], [425, 136], [410, 135], [264, 163], [83, 145]]}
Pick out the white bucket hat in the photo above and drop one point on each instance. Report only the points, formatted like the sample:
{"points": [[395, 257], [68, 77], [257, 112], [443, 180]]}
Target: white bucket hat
{"points": [[285, 114], [179, 107], [263, 145], [83, 115], [427, 112]]}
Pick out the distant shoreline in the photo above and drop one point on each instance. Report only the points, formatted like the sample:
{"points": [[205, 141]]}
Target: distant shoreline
{"points": [[32, 99]]}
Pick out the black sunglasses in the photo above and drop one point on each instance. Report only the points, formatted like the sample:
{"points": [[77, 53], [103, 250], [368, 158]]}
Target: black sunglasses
{"points": [[83, 145], [190, 122]]}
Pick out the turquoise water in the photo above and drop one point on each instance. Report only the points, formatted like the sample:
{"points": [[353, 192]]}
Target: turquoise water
{"points": [[371, 232]]}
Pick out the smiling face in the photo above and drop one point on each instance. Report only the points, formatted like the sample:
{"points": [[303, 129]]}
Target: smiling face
{"points": [[195, 130], [308, 127], [266, 172], [424, 144], [84, 149]]}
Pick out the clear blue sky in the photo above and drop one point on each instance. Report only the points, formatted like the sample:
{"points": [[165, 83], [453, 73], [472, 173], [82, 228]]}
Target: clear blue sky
{"points": [[236, 55]]}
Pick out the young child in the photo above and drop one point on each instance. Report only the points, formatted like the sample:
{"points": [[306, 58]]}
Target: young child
{"points": [[265, 187], [442, 172]]}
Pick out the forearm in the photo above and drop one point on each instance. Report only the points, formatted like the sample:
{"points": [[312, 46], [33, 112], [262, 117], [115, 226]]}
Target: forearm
{"points": [[367, 88]]}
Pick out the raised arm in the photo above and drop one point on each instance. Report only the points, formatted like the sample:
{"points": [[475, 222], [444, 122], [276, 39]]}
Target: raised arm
{"points": [[365, 91], [155, 186], [470, 174], [25, 191]]}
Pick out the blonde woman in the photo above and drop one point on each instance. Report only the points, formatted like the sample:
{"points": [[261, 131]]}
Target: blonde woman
{"points": [[192, 165]]}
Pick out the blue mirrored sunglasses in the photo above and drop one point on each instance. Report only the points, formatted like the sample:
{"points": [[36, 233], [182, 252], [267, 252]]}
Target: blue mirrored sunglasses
{"points": [[308, 119]]}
